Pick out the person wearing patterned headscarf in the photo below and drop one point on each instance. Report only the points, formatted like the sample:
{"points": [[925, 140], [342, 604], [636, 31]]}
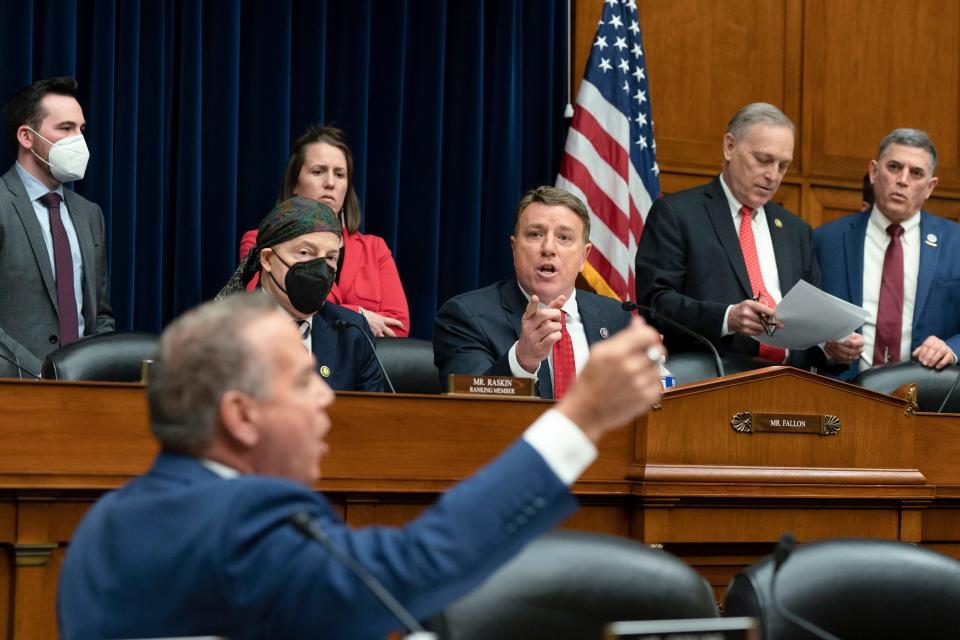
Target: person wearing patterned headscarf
{"points": [[298, 246]]}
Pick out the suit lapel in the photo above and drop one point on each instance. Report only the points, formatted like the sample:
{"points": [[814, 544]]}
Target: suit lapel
{"points": [[85, 239], [719, 213], [514, 304], [929, 257], [590, 317], [28, 217], [784, 250], [853, 239]]}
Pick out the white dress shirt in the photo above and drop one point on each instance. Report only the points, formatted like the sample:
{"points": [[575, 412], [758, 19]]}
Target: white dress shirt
{"points": [[874, 249], [761, 238], [581, 349]]}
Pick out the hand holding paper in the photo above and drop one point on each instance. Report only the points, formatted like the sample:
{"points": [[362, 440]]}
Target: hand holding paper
{"points": [[811, 317]]}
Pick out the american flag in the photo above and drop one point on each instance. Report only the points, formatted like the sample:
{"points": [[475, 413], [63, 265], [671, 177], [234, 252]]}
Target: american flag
{"points": [[610, 160]]}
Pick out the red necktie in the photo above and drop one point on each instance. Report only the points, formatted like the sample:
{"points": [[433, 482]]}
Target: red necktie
{"points": [[886, 344], [749, 247], [63, 267], [564, 366]]}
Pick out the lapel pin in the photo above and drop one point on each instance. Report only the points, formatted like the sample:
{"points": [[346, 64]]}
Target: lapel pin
{"points": [[325, 371], [604, 332], [779, 225], [931, 239]]}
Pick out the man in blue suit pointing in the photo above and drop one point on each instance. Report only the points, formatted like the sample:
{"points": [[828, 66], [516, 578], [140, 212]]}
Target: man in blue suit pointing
{"points": [[898, 262], [202, 545]]}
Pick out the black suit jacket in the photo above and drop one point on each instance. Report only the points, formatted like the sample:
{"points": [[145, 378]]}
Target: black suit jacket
{"points": [[690, 267], [474, 331], [344, 358]]}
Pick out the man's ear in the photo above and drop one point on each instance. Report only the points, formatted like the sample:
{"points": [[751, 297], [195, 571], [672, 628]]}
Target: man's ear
{"points": [[265, 254], [239, 415], [23, 137]]}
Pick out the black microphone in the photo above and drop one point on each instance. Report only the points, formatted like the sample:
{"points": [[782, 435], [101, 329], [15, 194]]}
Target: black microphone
{"points": [[953, 388], [631, 306], [17, 363], [340, 325], [780, 554], [303, 523]]}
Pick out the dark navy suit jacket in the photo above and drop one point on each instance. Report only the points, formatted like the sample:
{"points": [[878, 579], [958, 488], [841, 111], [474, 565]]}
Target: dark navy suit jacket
{"points": [[181, 551], [344, 357], [937, 308], [690, 267], [474, 331]]}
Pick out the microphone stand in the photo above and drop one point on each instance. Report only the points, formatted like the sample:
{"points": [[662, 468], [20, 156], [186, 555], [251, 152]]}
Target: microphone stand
{"points": [[340, 325], [303, 523], [631, 306]]}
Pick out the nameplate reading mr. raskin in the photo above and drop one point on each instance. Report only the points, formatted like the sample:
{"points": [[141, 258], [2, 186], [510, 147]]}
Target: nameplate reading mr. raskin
{"points": [[504, 386]]}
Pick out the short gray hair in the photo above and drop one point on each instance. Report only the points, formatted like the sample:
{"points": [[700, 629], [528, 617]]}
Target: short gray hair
{"points": [[910, 138], [201, 356], [754, 113], [554, 197]]}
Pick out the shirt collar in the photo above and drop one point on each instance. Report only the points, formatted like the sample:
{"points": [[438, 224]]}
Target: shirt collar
{"points": [[35, 189], [222, 470], [732, 202], [881, 222]]}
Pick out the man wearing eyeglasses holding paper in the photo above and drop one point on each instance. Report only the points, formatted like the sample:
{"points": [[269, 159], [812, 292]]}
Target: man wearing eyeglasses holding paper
{"points": [[900, 263]]}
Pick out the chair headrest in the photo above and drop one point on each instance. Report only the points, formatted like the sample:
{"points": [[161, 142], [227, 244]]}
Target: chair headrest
{"points": [[409, 363], [853, 588], [569, 584], [114, 357], [932, 384]]}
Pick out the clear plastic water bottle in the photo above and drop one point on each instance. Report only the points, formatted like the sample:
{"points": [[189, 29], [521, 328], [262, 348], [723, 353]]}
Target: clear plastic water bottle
{"points": [[666, 378]]}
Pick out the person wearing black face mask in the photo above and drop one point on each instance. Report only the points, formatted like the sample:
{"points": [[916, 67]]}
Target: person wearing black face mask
{"points": [[296, 256]]}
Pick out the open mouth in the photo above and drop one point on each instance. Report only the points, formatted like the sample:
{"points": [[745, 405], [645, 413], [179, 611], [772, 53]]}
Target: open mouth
{"points": [[547, 270]]}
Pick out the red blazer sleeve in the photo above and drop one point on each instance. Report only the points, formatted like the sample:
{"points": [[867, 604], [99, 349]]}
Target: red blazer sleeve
{"points": [[247, 242], [370, 280]]}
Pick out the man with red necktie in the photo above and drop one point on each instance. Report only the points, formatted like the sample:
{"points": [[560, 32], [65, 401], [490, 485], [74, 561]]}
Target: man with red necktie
{"points": [[52, 248], [898, 262], [538, 325], [718, 258]]}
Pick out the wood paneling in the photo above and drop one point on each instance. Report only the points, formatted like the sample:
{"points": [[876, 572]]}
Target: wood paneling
{"points": [[846, 71], [873, 65], [680, 476]]}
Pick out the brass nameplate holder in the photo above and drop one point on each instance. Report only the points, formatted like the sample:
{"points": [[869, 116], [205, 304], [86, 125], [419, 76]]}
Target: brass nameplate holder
{"points": [[748, 422], [500, 386]]}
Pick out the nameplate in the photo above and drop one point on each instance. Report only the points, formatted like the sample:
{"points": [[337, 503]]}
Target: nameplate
{"points": [[500, 386], [691, 629], [748, 422]]}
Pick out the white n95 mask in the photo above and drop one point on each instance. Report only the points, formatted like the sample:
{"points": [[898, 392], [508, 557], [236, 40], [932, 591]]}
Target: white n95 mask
{"points": [[68, 157]]}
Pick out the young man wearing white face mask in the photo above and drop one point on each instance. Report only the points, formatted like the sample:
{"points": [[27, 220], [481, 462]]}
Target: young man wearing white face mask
{"points": [[53, 288]]}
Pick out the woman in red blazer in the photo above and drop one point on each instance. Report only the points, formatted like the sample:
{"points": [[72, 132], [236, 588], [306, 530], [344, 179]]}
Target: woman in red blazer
{"points": [[321, 167]]}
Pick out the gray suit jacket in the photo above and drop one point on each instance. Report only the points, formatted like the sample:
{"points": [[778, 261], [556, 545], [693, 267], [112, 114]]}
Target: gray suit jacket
{"points": [[28, 292]]}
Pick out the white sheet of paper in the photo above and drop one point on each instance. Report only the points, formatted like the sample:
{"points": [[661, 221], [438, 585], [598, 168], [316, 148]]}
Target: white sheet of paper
{"points": [[811, 316]]}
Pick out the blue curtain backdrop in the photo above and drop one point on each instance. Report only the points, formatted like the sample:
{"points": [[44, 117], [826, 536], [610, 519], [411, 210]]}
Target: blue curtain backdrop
{"points": [[452, 109]]}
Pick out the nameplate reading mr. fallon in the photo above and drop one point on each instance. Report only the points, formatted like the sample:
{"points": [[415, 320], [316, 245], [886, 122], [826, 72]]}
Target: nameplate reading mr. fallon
{"points": [[748, 422]]}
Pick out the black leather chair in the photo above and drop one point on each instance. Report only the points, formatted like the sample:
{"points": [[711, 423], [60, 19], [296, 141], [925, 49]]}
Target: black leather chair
{"points": [[409, 363], [853, 588], [569, 584], [114, 357], [932, 385], [694, 366]]}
